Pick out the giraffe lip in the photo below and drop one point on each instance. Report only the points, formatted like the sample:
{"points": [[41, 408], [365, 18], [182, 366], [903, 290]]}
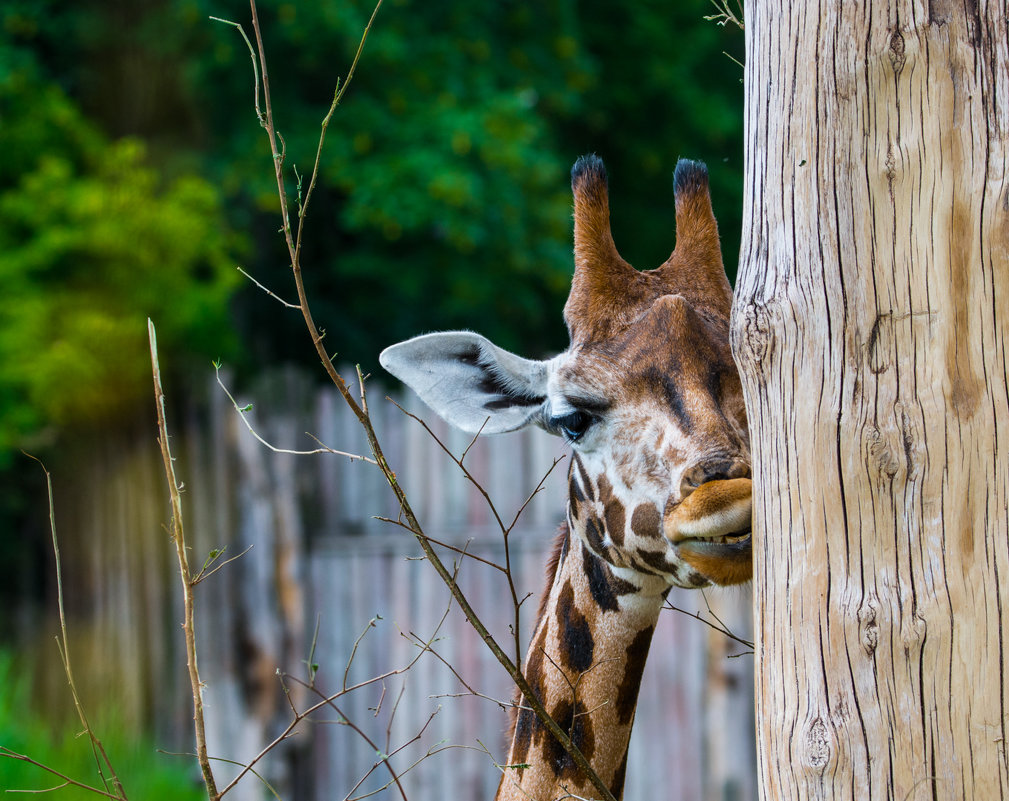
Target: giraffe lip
{"points": [[728, 545], [716, 513], [740, 538]]}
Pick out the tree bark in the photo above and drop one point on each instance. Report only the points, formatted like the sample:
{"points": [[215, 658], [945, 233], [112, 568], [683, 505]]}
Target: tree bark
{"points": [[870, 327]]}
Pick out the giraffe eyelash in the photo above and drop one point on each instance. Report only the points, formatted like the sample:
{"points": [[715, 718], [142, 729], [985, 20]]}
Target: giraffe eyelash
{"points": [[573, 425]]}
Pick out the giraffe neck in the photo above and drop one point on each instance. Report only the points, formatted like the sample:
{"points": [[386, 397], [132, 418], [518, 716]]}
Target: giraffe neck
{"points": [[585, 663]]}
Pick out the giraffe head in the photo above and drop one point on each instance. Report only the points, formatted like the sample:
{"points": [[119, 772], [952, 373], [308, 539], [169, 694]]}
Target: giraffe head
{"points": [[647, 395]]}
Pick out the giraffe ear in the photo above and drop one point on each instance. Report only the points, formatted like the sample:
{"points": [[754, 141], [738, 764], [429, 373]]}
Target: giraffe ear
{"points": [[469, 381]]}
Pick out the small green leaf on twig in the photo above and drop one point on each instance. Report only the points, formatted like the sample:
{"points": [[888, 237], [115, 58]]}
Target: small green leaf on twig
{"points": [[301, 208]]}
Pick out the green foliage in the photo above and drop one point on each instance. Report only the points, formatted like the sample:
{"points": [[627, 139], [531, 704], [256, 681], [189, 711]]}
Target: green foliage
{"points": [[144, 773], [92, 242], [446, 199]]}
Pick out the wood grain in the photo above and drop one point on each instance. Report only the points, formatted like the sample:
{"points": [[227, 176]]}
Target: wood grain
{"points": [[870, 325]]}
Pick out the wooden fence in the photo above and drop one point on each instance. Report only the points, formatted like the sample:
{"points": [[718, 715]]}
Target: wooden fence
{"points": [[320, 560]]}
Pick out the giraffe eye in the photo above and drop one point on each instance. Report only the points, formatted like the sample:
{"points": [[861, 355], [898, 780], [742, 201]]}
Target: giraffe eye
{"points": [[572, 425]]}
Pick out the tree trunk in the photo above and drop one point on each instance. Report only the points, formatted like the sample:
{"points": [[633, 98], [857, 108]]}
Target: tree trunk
{"points": [[871, 319]]}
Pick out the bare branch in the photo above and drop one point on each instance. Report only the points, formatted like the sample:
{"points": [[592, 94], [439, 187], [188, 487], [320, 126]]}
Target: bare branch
{"points": [[6, 752], [242, 412], [205, 574], [255, 69], [178, 535], [338, 94], [440, 544], [726, 14], [472, 442], [353, 651], [63, 645], [268, 291], [721, 628]]}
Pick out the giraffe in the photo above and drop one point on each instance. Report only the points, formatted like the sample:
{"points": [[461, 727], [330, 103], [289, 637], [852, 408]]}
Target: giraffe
{"points": [[659, 492]]}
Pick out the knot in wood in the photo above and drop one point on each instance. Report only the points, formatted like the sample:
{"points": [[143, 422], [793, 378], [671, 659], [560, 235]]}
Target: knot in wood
{"points": [[911, 439], [751, 334], [896, 51], [816, 745], [868, 627], [882, 453]]}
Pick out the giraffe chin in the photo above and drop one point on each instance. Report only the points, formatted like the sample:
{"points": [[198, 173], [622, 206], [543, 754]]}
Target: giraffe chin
{"points": [[720, 563], [711, 530]]}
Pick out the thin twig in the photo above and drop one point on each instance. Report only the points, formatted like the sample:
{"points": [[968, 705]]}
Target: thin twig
{"points": [[381, 699], [313, 667], [6, 752], [205, 574], [267, 290], [328, 701], [257, 774], [505, 705], [726, 14], [472, 442], [178, 535], [243, 410], [440, 544], [63, 645], [430, 753], [719, 628], [516, 603], [465, 470], [353, 651], [338, 94], [721, 622], [255, 69]]}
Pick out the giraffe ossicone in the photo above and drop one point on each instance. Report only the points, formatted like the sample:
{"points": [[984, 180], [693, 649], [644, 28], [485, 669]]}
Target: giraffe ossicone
{"points": [[659, 491]]}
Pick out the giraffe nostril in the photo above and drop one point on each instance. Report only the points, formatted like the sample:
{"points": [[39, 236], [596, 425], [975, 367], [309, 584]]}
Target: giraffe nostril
{"points": [[712, 470]]}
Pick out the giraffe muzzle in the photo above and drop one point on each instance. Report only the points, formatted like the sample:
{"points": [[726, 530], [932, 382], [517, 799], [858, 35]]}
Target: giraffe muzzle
{"points": [[711, 529]]}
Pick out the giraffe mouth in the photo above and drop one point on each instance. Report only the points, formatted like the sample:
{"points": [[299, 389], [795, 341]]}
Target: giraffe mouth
{"points": [[711, 530], [718, 513]]}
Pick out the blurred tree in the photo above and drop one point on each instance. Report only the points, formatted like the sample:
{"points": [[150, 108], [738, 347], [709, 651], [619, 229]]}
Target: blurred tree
{"points": [[91, 243]]}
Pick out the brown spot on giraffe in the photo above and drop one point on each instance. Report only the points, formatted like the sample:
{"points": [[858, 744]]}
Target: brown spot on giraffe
{"points": [[574, 719], [604, 586], [646, 521], [594, 528], [575, 634], [627, 692], [613, 512], [586, 483], [575, 500]]}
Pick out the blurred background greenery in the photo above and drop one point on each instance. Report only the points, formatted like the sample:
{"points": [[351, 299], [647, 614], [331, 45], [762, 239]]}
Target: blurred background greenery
{"points": [[134, 179]]}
